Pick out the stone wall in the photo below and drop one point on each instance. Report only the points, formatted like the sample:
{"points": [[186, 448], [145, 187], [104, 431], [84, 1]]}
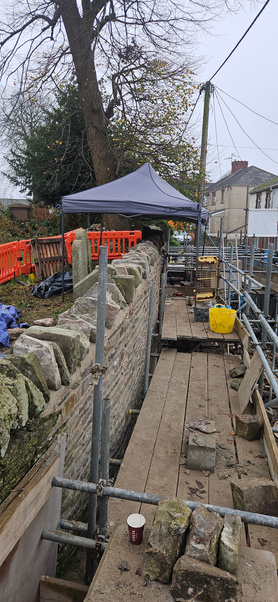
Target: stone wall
{"points": [[65, 402]]}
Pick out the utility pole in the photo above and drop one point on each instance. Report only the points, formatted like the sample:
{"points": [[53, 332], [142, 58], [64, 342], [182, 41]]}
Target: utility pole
{"points": [[207, 88]]}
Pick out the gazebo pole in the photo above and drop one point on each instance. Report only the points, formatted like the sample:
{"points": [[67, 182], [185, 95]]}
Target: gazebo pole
{"points": [[198, 228], [63, 258], [101, 231]]}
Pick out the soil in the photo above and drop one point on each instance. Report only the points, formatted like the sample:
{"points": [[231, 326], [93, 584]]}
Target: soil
{"points": [[18, 292]]}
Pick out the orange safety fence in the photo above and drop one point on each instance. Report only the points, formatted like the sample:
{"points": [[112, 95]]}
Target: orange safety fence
{"points": [[15, 257]]}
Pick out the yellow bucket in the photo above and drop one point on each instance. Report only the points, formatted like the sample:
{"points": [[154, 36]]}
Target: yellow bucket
{"points": [[221, 319]]}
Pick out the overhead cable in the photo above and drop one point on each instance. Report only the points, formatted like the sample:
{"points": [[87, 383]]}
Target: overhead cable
{"points": [[216, 137], [217, 95], [258, 147], [242, 103], [194, 107], [236, 46]]}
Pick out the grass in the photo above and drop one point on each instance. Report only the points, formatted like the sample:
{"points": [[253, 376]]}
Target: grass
{"points": [[32, 308]]}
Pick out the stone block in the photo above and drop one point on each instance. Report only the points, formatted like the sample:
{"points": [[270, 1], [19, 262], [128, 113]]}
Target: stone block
{"points": [[140, 261], [235, 383], [204, 533], [76, 324], [74, 344], [61, 363], [167, 539], [80, 256], [149, 249], [256, 495], [112, 289], [132, 270], [201, 451], [36, 401], [8, 413], [86, 283], [29, 366], [229, 543], [45, 322], [81, 287], [126, 286], [85, 306], [249, 426], [88, 306], [238, 372], [45, 355], [196, 580], [14, 381]]}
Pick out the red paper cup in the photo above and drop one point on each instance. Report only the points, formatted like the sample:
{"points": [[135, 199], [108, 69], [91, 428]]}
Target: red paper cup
{"points": [[136, 523]]}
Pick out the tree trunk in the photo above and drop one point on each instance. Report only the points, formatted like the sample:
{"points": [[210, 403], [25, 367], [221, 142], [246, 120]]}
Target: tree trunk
{"points": [[79, 31]]}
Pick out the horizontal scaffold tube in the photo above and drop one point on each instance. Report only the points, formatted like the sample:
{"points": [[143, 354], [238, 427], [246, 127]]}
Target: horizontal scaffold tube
{"points": [[247, 276], [264, 361], [148, 498], [257, 311], [73, 540]]}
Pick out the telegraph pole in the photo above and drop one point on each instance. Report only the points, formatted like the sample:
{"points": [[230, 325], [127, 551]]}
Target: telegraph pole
{"points": [[207, 88]]}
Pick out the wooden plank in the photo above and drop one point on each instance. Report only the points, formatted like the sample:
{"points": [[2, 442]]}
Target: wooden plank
{"points": [[246, 357], [214, 336], [198, 329], [135, 466], [250, 379], [60, 590], [197, 406], [220, 411], [252, 461], [243, 334], [112, 585], [270, 443], [184, 330], [163, 371], [169, 328], [165, 463], [264, 538], [17, 515]]}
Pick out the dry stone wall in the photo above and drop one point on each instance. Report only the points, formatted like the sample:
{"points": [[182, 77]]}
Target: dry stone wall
{"points": [[54, 364]]}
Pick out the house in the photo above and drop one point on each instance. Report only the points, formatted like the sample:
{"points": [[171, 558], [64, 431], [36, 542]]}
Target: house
{"points": [[263, 212], [265, 196], [229, 197]]}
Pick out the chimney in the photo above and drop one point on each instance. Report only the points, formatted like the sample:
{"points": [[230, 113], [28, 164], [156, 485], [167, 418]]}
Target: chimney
{"points": [[236, 165]]}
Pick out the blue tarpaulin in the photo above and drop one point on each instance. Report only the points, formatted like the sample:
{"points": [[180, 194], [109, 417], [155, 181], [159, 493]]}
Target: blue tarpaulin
{"points": [[8, 317]]}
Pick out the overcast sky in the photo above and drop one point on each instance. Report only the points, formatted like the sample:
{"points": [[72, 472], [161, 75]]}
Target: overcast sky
{"points": [[250, 76]]}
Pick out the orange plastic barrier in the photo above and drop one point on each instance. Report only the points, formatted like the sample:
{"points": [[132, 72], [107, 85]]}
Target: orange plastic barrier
{"points": [[118, 242], [15, 257]]}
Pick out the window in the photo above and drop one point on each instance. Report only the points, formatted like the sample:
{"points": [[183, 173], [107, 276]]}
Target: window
{"points": [[213, 201], [267, 199], [258, 201], [222, 196]]}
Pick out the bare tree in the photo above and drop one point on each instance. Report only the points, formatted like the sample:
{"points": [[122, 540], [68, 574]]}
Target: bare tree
{"points": [[42, 39]]}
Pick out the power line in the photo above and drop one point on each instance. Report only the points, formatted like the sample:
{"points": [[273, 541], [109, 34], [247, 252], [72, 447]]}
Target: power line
{"points": [[217, 95], [249, 137], [194, 107], [245, 147], [242, 103], [236, 46], [216, 137]]}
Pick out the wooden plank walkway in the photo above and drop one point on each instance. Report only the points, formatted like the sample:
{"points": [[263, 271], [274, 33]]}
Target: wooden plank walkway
{"points": [[178, 324], [184, 386]]}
